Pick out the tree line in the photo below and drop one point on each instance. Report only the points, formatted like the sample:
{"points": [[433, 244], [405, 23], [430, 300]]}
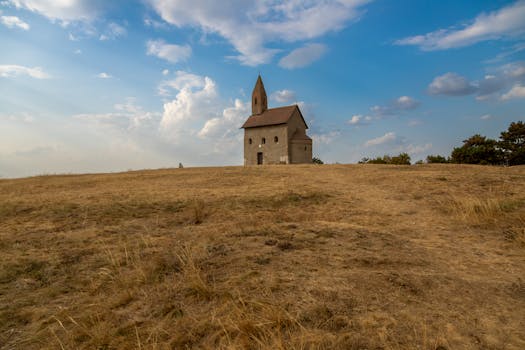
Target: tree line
{"points": [[477, 149]]}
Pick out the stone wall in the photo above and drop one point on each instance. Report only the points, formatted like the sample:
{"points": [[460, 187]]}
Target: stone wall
{"points": [[301, 151], [273, 152]]}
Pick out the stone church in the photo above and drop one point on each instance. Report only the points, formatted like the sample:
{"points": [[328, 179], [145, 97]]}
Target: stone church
{"points": [[275, 135]]}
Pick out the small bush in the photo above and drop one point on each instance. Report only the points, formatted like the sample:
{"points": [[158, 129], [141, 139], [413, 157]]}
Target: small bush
{"points": [[437, 159], [401, 159]]}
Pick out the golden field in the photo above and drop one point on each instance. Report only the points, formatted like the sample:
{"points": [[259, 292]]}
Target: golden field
{"points": [[274, 257]]}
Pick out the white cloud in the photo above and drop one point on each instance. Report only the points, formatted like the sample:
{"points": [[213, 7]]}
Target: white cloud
{"points": [[401, 104], [63, 10], [193, 119], [13, 21], [182, 80], [508, 22], [195, 101], [517, 91], [283, 96], [303, 56], [165, 72], [325, 137], [406, 103], [359, 119], [506, 76], [249, 25], [126, 116], [228, 124], [169, 52], [104, 75], [386, 138], [451, 84], [113, 31], [8, 71], [486, 117], [412, 149]]}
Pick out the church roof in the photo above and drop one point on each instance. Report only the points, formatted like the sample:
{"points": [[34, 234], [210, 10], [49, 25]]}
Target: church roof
{"points": [[300, 135], [273, 116]]}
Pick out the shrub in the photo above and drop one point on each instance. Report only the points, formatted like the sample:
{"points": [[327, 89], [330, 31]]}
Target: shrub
{"points": [[401, 159], [431, 159]]}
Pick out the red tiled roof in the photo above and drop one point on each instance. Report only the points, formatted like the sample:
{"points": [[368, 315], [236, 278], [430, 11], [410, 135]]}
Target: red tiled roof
{"points": [[273, 116]]}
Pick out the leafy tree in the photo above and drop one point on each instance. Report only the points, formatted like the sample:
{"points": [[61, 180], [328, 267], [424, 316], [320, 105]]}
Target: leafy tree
{"points": [[513, 143], [316, 160], [401, 159], [436, 159], [478, 150], [380, 160]]}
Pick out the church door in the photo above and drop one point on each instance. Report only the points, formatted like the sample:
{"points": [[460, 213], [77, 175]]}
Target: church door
{"points": [[259, 158]]}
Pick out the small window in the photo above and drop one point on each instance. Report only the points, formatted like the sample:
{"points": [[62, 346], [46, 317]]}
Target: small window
{"points": [[250, 141], [305, 148], [275, 139], [263, 140], [255, 100]]}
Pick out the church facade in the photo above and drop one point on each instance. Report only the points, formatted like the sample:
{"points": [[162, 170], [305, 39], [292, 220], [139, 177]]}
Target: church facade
{"points": [[275, 135]]}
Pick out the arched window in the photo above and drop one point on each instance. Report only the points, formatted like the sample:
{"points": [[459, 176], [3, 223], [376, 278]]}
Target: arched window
{"points": [[263, 140], [250, 141], [275, 139], [305, 148]]}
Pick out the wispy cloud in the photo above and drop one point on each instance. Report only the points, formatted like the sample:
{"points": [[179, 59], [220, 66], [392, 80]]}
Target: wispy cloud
{"points": [[303, 56], [169, 52], [14, 22], [386, 138], [64, 10], [516, 92], [359, 119], [9, 71], [250, 25], [104, 75], [400, 104], [283, 96], [113, 31], [508, 22]]}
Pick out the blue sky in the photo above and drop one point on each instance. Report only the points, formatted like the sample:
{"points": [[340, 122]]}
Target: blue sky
{"points": [[95, 86]]}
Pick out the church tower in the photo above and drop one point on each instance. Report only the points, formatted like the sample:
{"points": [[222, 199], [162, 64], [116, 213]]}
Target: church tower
{"points": [[259, 100]]}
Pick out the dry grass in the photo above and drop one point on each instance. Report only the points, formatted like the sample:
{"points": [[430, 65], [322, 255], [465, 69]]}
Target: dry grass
{"points": [[278, 257]]}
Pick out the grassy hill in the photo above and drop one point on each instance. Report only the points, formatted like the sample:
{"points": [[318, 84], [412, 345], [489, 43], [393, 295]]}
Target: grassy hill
{"points": [[274, 257]]}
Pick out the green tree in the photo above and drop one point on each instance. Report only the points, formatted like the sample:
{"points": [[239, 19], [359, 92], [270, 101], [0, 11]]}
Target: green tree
{"points": [[512, 143], [436, 159], [478, 150], [401, 159]]}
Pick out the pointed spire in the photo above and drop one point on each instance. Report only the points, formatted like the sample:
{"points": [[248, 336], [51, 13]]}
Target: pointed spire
{"points": [[259, 100]]}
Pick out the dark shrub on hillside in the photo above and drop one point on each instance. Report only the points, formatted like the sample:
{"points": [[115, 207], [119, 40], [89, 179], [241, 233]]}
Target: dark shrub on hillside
{"points": [[431, 159]]}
